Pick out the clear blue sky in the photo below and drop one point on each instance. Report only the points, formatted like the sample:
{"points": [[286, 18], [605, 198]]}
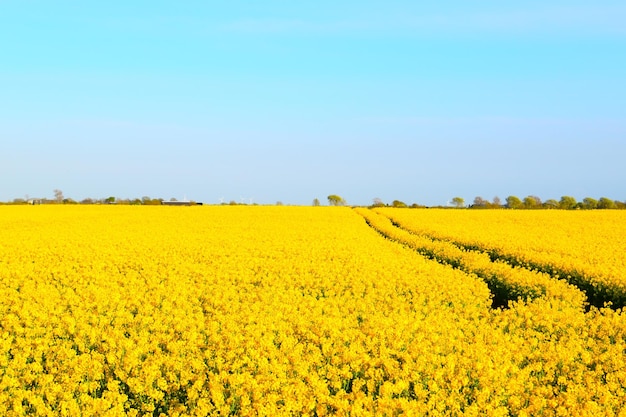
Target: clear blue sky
{"points": [[290, 101]]}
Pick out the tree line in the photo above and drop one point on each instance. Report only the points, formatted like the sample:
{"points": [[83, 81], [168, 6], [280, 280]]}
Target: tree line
{"points": [[59, 198], [564, 203], [529, 202], [511, 202]]}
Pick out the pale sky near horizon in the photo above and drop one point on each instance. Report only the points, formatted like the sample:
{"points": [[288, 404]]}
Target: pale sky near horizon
{"points": [[290, 101]]}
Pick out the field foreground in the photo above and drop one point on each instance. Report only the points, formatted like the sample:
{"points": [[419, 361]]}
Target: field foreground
{"points": [[249, 310]]}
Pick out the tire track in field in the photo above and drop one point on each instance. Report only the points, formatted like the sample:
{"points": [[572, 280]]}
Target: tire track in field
{"points": [[506, 282], [598, 294]]}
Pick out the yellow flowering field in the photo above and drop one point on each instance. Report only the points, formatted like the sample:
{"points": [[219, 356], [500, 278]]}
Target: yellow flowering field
{"points": [[506, 283], [295, 311], [585, 247]]}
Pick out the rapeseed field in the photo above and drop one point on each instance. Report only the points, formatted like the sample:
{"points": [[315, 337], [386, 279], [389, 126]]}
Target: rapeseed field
{"points": [[306, 311]]}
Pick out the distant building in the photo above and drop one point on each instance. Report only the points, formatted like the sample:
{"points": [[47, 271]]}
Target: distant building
{"points": [[177, 203]]}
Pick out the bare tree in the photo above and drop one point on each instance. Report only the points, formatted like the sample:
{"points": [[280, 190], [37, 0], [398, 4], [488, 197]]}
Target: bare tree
{"points": [[58, 196], [480, 202]]}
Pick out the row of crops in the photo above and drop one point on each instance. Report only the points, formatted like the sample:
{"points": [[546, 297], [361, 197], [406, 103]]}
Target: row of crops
{"points": [[299, 311], [583, 249], [506, 282]]}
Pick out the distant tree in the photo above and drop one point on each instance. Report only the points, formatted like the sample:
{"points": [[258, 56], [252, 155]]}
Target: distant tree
{"points": [[109, 200], [458, 202], [58, 195], [232, 203], [567, 202], [377, 202], [316, 202], [145, 200], [550, 204], [514, 202], [398, 204], [496, 202], [87, 201], [532, 202], [606, 203], [279, 203], [479, 202], [589, 203], [620, 205], [335, 200]]}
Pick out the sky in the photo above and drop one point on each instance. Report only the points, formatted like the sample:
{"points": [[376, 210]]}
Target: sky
{"points": [[291, 101]]}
